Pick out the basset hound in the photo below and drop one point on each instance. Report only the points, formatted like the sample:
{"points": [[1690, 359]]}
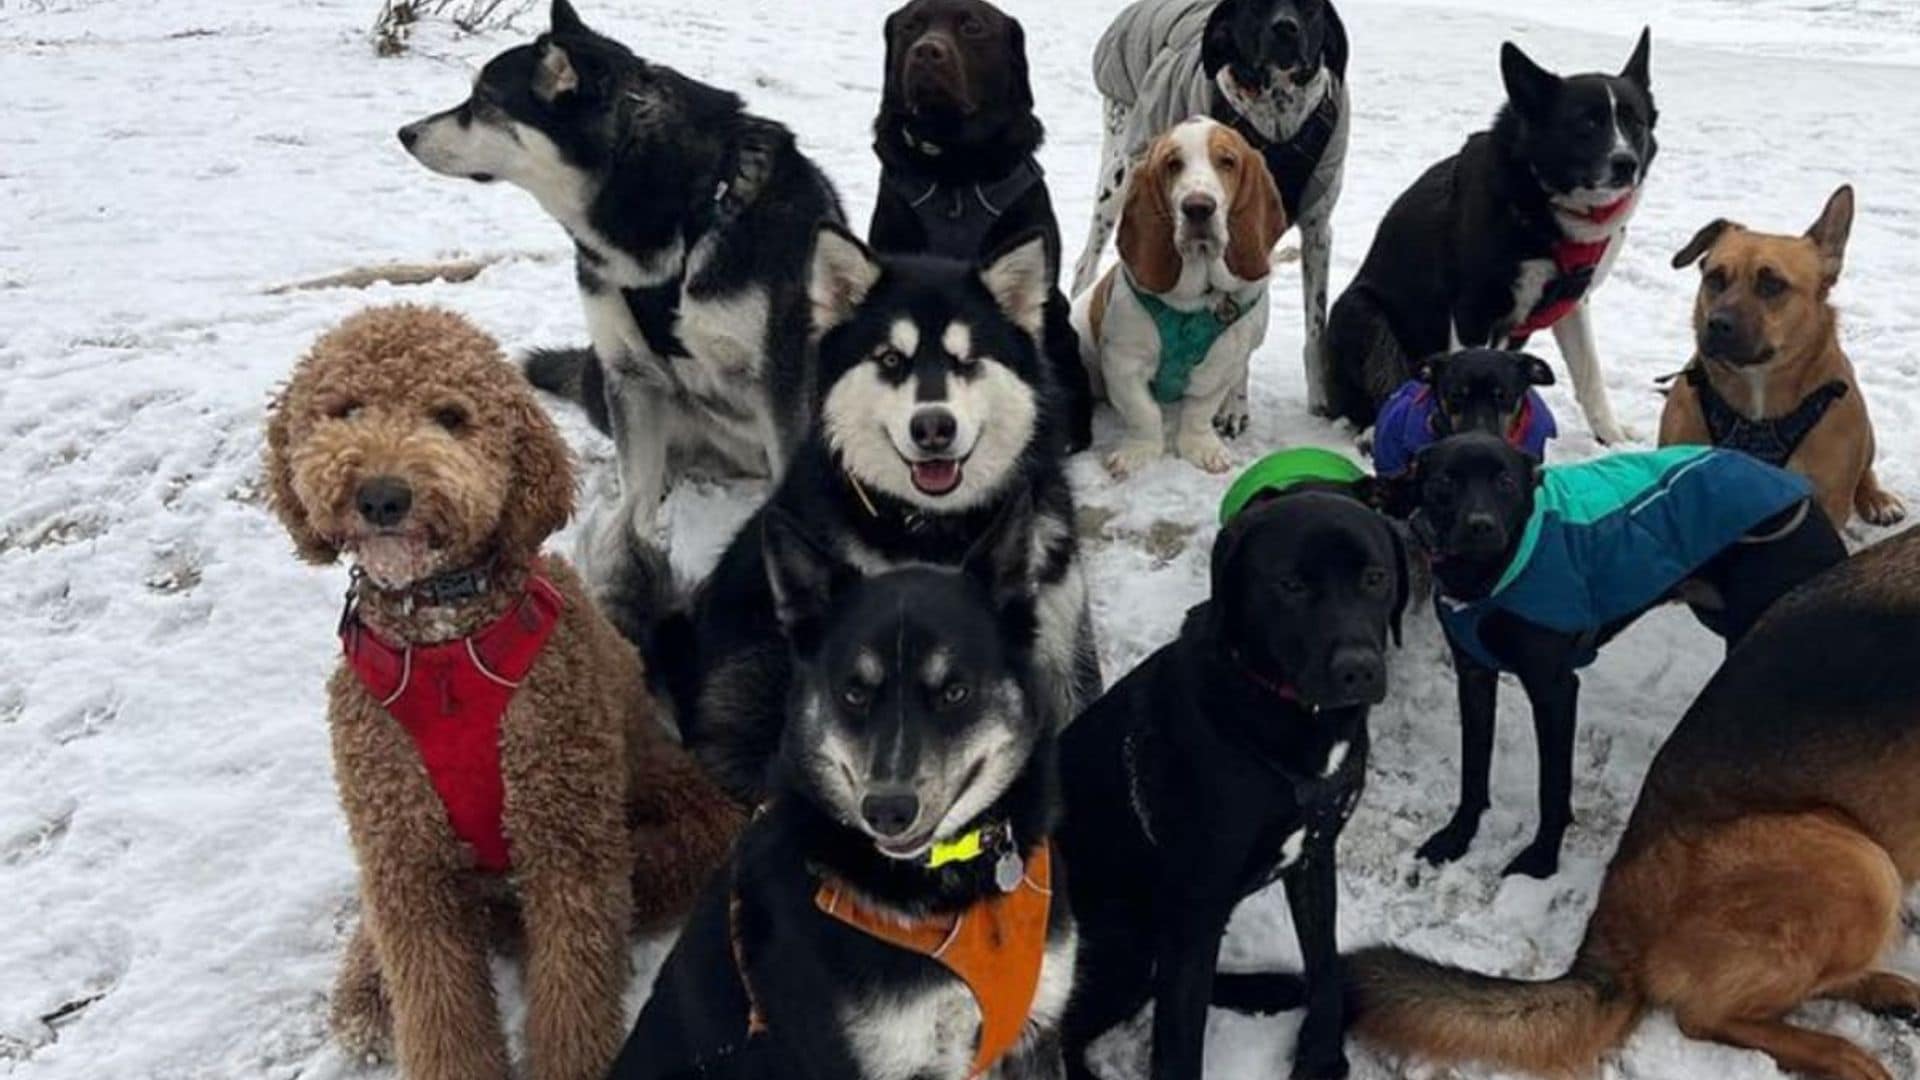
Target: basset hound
{"points": [[1175, 322]]}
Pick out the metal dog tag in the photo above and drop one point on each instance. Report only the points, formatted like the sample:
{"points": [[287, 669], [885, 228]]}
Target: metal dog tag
{"points": [[1008, 871]]}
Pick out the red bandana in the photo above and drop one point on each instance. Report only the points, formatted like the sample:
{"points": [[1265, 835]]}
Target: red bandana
{"points": [[450, 698]]}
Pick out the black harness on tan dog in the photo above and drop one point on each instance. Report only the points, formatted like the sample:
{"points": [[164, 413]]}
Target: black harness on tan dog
{"points": [[1773, 440], [958, 217]]}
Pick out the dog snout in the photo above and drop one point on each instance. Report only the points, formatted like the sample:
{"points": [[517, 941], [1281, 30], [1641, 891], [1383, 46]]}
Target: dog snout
{"points": [[1622, 169], [890, 813], [931, 49], [383, 501], [1720, 336], [1358, 674], [1198, 208], [933, 430], [1286, 37], [409, 135], [1481, 528]]}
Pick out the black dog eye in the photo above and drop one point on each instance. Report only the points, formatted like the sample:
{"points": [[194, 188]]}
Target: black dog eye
{"points": [[955, 694], [451, 417], [1716, 281], [1292, 588], [1506, 483], [891, 359], [856, 697], [1374, 580], [973, 28], [1769, 285]]}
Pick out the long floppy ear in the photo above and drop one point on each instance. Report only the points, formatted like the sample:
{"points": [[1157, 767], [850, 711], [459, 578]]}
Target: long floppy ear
{"points": [[565, 20], [554, 77], [1145, 237], [1255, 221], [540, 496], [1019, 279], [1216, 42], [1703, 242], [1830, 234], [286, 504], [1529, 86], [1536, 370], [890, 90], [842, 273], [1639, 69], [1022, 81], [1002, 559], [803, 575]]}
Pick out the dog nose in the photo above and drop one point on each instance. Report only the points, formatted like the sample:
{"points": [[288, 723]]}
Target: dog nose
{"points": [[933, 429], [1286, 30], [1481, 526], [1358, 674], [890, 814], [1623, 168], [930, 49], [384, 501], [409, 135], [1719, 329], [1198, 209]]}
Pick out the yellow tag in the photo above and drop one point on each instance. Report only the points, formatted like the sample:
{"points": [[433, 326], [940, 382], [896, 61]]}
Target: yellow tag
{"points": [[953, 851]]}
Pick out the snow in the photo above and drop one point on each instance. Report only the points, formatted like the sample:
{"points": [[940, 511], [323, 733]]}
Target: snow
{"points": [[176, 878]]}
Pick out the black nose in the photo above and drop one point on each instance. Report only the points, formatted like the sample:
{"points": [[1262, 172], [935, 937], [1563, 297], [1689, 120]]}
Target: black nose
{"points": [[1719, 330], [409, 135], [1482, 526], [384, 501], [931, 50], [1198, 209], [1286, 31], [1358, 674], [933, 429], [890, 815], [1623, 168]]}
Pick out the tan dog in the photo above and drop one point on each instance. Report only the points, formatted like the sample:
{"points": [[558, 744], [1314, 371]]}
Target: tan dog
{"points": [[406, 442], [1175, 322], [1768, 375]]}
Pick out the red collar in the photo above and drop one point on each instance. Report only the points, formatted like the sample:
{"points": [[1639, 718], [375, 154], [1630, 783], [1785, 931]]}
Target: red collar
{"points": [[450, 697]]}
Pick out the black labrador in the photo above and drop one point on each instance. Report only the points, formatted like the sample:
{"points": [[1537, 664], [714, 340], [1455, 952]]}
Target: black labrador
{"points": [[1228, 759], [956, 138], [1730, 536]]}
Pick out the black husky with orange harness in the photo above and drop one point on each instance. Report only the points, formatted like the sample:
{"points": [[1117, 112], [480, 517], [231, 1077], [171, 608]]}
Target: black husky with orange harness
{"points": [[895, 909]]}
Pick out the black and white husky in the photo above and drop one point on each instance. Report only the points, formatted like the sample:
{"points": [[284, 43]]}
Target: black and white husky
{"points": [[931, 387], [1506, 238], [692, 221], [914, 798]]}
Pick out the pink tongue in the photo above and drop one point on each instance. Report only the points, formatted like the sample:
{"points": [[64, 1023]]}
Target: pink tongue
{"points": [[936, 477]]}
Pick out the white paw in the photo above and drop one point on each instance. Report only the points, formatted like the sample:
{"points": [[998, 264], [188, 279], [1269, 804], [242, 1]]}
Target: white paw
{"points": [[1205, 450], [1132, 456], [1234, 416], [1881, 508], [1614, 433]]}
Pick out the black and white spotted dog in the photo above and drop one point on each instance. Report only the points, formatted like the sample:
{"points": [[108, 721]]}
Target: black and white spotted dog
{"points": [[692, 222], [1275, 71]]}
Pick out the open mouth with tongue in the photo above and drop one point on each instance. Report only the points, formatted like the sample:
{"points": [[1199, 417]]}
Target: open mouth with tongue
{"points": [[936, 476]]}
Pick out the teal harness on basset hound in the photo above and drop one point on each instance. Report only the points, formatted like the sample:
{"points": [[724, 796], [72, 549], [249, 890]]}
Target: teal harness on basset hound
{"points": [[1185, 338]]}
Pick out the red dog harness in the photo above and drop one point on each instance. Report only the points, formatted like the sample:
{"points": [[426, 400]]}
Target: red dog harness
{"points": [[1574, 266], [450, 697]]}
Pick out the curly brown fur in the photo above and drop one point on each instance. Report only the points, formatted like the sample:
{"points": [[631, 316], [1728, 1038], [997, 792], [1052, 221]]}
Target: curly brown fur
{"points": [[610, 825]]}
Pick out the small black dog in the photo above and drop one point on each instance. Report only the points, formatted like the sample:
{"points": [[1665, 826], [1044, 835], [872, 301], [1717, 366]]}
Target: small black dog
{"points": [[1507, 237], [1485, 390], [895, 909], [956, 137], [1536, 569], [1228, 759]]}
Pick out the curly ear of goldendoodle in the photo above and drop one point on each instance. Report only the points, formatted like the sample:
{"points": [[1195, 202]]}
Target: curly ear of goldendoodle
{"points": [[405, 442]]}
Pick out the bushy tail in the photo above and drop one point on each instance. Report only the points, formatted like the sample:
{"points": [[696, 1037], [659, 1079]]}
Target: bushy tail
{"points": [[572, 374], [1559, 1027]]}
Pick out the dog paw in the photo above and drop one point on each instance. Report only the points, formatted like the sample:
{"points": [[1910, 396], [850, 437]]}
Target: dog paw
{"points": [[1614, 433], [1234, 416], [1131, 457], [1448, 844], [1881, 508], [1206, 451], [1540, 860]]}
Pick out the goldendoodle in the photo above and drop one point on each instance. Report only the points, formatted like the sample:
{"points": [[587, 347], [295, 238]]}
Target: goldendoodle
{"points": [[493, 740]]}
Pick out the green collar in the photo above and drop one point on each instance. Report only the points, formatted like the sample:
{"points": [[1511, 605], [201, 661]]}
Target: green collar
{"points": [[1185, 337]]}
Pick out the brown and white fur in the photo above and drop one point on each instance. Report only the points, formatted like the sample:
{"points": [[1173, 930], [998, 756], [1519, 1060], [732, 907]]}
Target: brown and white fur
{"points": [[1197, 231], [610, 825], [1767, 337]]}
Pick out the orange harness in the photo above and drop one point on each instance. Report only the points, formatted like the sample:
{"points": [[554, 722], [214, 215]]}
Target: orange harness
{"points": [[996, 947]]}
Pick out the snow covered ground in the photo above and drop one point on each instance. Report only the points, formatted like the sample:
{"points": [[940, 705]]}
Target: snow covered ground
{"points": [[174, 877]]}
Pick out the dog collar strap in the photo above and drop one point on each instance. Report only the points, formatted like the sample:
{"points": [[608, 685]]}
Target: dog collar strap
{"points": [[1283, 469], [440, 590], [450, 698], [969, 846], [1574, 263], [996, 947], [958, 217], [1600, 215], [1185, 338], [1773, 440]]}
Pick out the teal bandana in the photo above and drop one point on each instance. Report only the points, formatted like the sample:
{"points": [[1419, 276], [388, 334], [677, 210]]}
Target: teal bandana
{"points": [[1185, 337]]}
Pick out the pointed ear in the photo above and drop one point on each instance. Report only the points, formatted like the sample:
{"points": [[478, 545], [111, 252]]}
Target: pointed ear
{"points": [[1529, 86], [1702, 242], [1145, 236], [1432, 368], [843, 272], [1002, 559], [1639, 66], [554, 77], [803, 576], [1256, 220], [281, 494], [1536, 370], [1019, 279], [1830, 234], [565, 20]]}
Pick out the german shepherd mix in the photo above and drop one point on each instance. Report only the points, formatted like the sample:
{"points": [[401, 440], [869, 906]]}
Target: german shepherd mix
{"points": [[1763, 867], [1507, 237], [1768, 375], [956, 137], [692, 222], [1228, 760], [1536, 569], [895, 911], [932, 424]]}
